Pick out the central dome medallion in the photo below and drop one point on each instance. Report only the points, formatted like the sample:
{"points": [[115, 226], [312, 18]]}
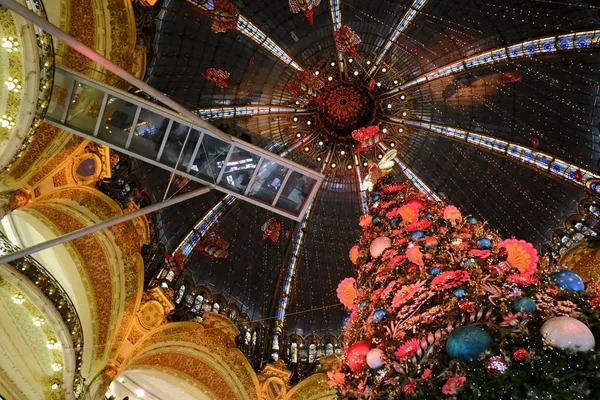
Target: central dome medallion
{"points": [[346, 108]]}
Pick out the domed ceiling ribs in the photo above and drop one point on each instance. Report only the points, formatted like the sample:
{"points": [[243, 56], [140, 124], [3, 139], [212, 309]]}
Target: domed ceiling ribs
{"points": [[336, 23], [254, 33], [403, 23], [218, 113], [544, 46], [288, 272], [536, 160]]}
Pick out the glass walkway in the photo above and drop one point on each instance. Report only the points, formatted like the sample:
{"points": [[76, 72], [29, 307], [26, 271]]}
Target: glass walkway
{"points": [[158, 136]]}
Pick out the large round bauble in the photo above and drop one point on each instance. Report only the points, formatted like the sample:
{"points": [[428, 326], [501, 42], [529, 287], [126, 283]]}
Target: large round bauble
{"points": [[467, 343], [376, 220], [393, 221], [378, 315], [472, 220], [375, 358], [429, 216], [484, 244], [357, 356], [416, 235], [525, 305], [567, 333], [567, 280], [435, 270], [379, 245], [375, 197]]}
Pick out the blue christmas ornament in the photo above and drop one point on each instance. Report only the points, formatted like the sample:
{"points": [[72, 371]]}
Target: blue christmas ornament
{"points": [[467, 343], [472, 220], [429, 216], [459, 293], [346, 319], [393, 221], [378, 315], [525, 305], [484, 244], [416, 235], [468, 262], [567, 280], [375, 197], [376, 220], [435, 271], [363, 305]]}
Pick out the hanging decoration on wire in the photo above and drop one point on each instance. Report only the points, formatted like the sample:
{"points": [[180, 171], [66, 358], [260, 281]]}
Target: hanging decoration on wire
{"points": [[224, 15], [217, 76], [175, 261], [305, 88], [271, 229], [214, 246], [510, 77], [346, 40], [367, 137], [306, 6]]}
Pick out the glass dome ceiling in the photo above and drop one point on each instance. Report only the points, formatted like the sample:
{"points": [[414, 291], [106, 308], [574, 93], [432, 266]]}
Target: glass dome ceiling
{"points": [[492, 106]]}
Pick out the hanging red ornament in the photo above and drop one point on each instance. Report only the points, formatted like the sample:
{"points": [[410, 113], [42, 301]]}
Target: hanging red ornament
{"points": [[224, 15], [346, 40], [372, 84], [271, 229], [535, 142], [305, 88], [214, 246], [578, 175], [217, 76], [306, 6], [365, 133]]}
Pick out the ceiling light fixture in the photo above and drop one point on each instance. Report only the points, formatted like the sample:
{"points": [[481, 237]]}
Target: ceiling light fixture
{"points": [[396, 82], [38, 321], [349, 166], [55, 386], [321, 143], [10, 44], [384, 69], [330, 78], [368, 62], [319, 158], [140, 392], [308, 122], [400, 130], [404, 113], [307, 149], [365, 164], [295, 119], [379, 84], [56, 367], [52, 344], [392, 144], [343, 152], [384, 130], [389, 105], [355, 73], [317, 73], [350, 60], [332, 64], [380, 156], [402, 97], [298, 135], [333, 165]]}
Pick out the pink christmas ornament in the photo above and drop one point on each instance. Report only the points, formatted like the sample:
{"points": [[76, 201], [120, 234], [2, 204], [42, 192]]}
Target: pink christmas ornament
{"points": [[375, 358], [379, 245]]}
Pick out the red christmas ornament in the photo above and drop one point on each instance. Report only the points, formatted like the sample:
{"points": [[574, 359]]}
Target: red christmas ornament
{"points": [[535, 142], [356, 358], [271, 229], [578, 175], [372, 84], [306, 6], [510, 77], [409, 387], [496, 365], [224, 15], [520, 354], [346, 40], [217, 76]]}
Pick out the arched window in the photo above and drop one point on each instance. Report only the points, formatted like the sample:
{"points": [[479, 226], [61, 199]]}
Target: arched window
{"points": [[254, 339], [180, 294], [312, 353], [329, 349], [294, 353], [197, 303], [189, 298], [207, 307], [163, 273], [247, 338], [216, 307]]}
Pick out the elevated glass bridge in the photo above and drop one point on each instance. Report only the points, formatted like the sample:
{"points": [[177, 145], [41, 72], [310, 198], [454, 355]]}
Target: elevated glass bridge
{"points": [[161, 137]]}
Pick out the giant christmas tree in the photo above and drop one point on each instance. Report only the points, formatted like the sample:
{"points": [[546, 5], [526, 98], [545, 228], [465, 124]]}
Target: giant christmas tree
{"points": [[441, 307]]}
